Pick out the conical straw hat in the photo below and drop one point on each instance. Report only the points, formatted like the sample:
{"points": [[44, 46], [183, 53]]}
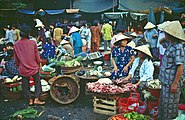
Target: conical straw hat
{"points": [[162, 25], [84, 42], [121, 37], [131, 44], [133, 34], [73, 29], [144, 49], [39, 25], [175, 29], [149, 25], [64, 42]]}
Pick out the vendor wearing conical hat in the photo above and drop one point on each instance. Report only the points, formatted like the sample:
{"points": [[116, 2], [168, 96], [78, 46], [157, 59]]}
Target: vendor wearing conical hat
{"points": [[76, 40], [150, 36], [142, 69], [122, 57], [171, 70]]}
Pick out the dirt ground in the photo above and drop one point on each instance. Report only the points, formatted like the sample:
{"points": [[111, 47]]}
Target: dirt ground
{"points": [[80, 109]]}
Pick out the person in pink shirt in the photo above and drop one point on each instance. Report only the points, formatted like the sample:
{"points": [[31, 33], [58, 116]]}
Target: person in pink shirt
{"points": [[28, 61]]}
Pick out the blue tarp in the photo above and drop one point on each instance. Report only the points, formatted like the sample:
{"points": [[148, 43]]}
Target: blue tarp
{"points": [[55, 12], [178, 10], [151, 16], [50, 12], [94, 6], [28, 12], [139, 5]]}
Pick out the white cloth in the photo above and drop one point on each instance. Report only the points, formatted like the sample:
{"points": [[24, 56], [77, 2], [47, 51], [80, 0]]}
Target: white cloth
{"points": [[159, 46]]}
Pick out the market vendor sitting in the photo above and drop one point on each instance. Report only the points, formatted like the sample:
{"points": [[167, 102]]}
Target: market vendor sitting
{"points": [[142, 69], [122, 57]]}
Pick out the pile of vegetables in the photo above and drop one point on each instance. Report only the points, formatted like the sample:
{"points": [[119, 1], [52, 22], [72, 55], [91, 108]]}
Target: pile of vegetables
{"points": [[130, 116], [14, 79], [25, 113], [154, 84], [70, 63]]}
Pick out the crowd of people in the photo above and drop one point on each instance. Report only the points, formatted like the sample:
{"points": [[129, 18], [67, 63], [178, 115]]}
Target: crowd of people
{"points": [[132, 54]]}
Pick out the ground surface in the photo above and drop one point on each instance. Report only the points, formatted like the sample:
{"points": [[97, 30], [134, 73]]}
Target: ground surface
{"points": [[80, 109]]}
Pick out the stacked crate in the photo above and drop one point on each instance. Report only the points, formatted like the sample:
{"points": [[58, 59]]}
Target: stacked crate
{"points": [[103, 105]]}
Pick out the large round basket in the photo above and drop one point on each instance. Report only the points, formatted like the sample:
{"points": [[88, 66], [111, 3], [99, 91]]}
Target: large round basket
{"points": [[65, 89], [70, 70], [93, 78], [9, 93], [45, 75], [155, 92]]}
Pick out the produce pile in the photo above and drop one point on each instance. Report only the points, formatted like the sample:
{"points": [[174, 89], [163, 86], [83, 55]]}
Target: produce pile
{"points": [[97, 71], [154, 84], [130, 116], [13, 80], [29, 113], [106, 86], [70, 63]]}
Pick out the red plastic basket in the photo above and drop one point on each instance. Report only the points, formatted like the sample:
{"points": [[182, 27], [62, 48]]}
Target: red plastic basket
{"points": [[142, 107], [106, 57], [129, 104], [151, 105]]}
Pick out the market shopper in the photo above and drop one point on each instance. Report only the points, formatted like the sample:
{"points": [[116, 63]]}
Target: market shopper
{"points": [[171, 71], [151, 35], [76, 40], [95, 38], [142, 69], [107, 34], [122, 57], [27, 60]]}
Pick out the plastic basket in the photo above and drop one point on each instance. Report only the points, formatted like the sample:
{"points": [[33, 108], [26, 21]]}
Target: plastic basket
{"points": [[142, 107], [129, 104], [155, 92]]}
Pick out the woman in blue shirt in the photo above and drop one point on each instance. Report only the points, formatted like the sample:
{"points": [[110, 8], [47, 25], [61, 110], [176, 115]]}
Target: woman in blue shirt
{"points": [[142, 68], [122, 58]]}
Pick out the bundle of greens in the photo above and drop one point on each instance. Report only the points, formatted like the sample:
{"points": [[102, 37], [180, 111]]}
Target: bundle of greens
{"points": [[25, 113]]}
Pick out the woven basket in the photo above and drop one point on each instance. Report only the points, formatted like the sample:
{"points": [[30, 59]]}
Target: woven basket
{"points": [[91, 77], [70, 70], [65, 89]]}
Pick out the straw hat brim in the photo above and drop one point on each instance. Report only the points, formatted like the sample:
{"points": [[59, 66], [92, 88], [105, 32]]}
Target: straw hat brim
{"points": [[131, 44], [84, 42], [73, 29], [149, 25], [64, 42], [162, 25], [144, 49], [175, 29], [39, 25], [133, 34], [120, 38]]}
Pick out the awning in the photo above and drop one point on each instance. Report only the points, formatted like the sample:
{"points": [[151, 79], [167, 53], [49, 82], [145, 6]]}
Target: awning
{"points": [[28, 12], [114, 15], [140, 5], [72, 10], [94, 6], [50, 12], [55, 12]]}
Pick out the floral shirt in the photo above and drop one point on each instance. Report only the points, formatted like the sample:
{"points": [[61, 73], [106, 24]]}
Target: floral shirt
{"points": [[122, 58]]}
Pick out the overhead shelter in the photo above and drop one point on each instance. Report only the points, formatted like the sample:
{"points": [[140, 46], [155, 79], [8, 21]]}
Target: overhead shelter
{"points": [[94, 6], [143, 5]]}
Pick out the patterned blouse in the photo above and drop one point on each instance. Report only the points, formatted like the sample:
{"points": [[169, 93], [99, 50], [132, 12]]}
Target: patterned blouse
{"points": [[11, 68], [173, 56], [122, 58]]}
